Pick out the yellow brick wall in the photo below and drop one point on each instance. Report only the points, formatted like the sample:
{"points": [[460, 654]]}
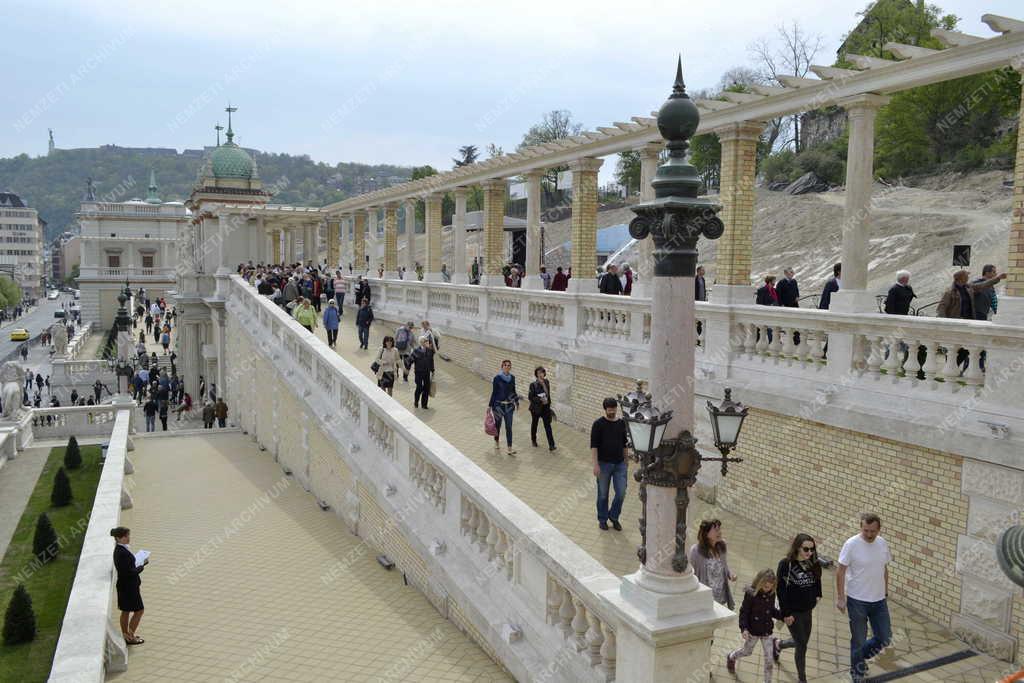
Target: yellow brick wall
{"points": [[494, 227], [739, 158], [390, 238], [584, 217], [589, 389], [1015, 249], [803, 476], [458, 618], [380, 533]]}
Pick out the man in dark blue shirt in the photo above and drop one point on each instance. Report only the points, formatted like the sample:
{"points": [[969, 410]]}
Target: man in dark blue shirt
{"points": [[608, 451]]}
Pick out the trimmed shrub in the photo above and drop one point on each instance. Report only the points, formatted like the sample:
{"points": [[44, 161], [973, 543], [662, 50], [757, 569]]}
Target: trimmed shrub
{"points": [[61, 494], [44, 543], [72, 455], [824, 162], [20, 619]]}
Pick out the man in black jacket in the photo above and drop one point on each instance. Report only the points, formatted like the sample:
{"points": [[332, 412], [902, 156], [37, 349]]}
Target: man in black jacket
{"points": [[789, 291], [897, 301], [610, 283]]}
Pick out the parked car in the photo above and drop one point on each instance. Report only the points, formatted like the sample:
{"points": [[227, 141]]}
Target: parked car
{"points": [[54, 294], [19, 334], [78, 294], [60, 315]]}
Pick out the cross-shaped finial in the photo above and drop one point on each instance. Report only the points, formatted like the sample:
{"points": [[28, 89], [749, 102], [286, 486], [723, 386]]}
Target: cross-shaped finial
{"points": [[229, 109], [218, 128]]}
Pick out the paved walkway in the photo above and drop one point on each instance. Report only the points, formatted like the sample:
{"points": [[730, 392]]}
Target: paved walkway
{"points": [[233, 590], [561, 487], [18, 479]]}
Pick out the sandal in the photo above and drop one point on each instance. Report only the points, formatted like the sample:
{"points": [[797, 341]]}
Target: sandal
{"points": [[133, 640]]}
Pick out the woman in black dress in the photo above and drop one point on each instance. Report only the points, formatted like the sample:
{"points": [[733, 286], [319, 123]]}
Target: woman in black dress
{"points": [[129, 598]]}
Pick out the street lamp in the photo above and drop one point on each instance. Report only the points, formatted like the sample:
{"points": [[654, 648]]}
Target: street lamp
{"points": [[726, 422], [1010, 553], [674, 462]]}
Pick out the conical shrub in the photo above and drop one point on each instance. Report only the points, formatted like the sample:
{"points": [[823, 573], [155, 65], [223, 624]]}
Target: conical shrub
{"points": [[72, 455], [20, 619], [44, 543], [61, 494]]}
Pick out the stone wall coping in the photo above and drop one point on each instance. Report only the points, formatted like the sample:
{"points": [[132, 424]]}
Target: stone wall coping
{"points": [[81, 648]]}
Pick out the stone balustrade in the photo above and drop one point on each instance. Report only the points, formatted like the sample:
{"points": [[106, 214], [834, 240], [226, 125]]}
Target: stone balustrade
{"points": [[90, 645], [935, 368], [480, 554], [77, 421]]}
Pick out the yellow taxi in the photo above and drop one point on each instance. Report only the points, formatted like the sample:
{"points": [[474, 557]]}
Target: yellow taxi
{"points": [[19, 334]]}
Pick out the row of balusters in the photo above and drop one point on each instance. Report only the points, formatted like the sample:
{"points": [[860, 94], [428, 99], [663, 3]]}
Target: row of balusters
{"points": [[350, 402], [913, 358], [504, 309], [487, 536], [428, 479], [894, 356], [582, 628], [382, 435], [781, 341], [546, 315], [605, 322], [467, 305]]}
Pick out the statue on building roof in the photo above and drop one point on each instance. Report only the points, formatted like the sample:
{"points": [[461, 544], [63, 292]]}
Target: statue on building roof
{"points": [[90, 191]]}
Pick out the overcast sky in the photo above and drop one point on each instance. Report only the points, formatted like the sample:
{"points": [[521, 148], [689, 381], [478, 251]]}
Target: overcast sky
{"points": [[396, 82]]}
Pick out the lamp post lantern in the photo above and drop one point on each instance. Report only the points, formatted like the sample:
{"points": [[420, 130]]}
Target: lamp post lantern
{"points": [[667, 618]]}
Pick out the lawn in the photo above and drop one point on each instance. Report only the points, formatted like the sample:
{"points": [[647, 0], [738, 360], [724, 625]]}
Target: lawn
{"points": [[49, 584]]}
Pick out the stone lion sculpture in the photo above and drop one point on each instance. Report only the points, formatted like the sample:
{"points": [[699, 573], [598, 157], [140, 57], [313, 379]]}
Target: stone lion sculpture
{"points": [[60, 338], [12, 379]]}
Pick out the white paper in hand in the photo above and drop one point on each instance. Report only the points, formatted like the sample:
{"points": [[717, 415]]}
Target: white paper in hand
{"points": [[141, 557]]}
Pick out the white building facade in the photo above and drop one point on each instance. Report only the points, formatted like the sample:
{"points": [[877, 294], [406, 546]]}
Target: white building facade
{"points": [[133, 241], [21, 244]]}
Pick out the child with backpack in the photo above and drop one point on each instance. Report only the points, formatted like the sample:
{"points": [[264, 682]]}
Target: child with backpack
{"points": [[757, 622]]}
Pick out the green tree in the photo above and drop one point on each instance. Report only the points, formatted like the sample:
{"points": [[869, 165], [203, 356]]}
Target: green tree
{"points": [[897, 21], [627, 170], [10, 290], [557, 124], [20, 618], [706, 157], [61, 495], [954, 122], [467, 155], [72, 454], [44, 542]]}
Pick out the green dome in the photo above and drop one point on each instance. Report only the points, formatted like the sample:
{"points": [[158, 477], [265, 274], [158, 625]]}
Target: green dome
{"points": [[231, 161]]}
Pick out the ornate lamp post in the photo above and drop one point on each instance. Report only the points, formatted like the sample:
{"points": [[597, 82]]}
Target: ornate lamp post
{"points": [[667, 617]]}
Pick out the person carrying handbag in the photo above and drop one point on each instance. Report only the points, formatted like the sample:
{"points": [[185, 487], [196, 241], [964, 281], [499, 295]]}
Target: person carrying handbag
{"points": [[387, 364], [540, 407], [503, 403]]}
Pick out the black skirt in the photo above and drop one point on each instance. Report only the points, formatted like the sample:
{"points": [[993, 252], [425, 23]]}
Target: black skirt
{"points": [[129, 598]]}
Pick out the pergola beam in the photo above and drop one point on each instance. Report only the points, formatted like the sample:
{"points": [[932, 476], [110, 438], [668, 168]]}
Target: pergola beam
{"points": [[881, 77]]}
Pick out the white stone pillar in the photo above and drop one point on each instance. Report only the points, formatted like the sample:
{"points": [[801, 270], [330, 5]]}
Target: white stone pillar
{"points": [[410, 238], [290, 240], [853, 296], [534, 258], [460, 269], [650, 154], [224, 229]]}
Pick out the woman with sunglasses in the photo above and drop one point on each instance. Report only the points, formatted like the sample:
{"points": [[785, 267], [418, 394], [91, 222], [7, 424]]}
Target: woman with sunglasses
{"points": [[799, 589]]}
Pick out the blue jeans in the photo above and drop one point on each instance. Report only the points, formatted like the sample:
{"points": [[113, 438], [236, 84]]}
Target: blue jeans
{"points": [[151, 423], [611, 473], [339, 297], [504, 412], [862, 649], [364, 336]]}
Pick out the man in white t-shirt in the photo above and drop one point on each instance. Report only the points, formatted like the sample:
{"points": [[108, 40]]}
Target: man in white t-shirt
{"points": [[862, 585]]}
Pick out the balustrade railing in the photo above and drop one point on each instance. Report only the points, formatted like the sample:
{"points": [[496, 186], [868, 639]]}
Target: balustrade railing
{"points": [[504, 543]]}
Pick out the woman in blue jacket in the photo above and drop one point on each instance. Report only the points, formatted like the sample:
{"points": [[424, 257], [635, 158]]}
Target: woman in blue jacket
{"points": [[331, 318], [503, 403]]}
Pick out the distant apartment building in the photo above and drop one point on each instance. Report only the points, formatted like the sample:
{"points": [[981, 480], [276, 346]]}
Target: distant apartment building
{"points": [[133, 241], [65, 254], [21, 244]]}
